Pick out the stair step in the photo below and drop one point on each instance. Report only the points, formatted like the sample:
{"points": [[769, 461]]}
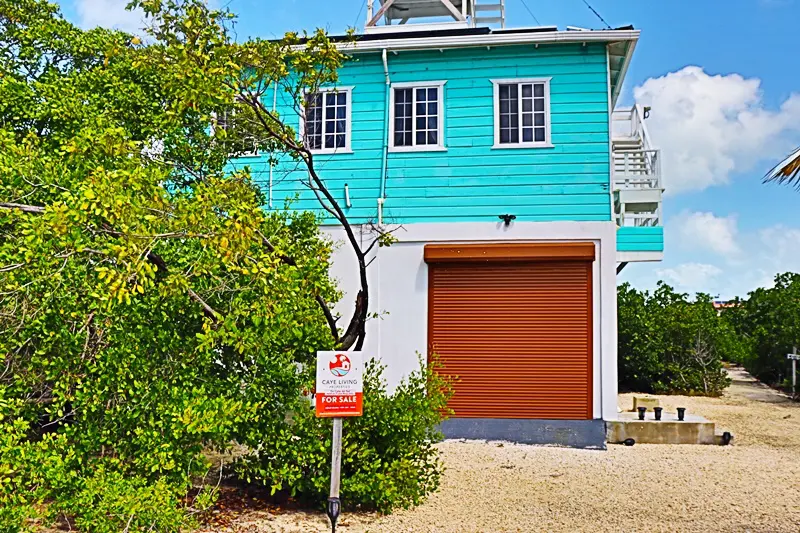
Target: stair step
{"points": [[488, 7], [489, 20]]}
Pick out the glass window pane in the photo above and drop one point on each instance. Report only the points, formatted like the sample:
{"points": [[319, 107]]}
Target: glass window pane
{"points": [[432, 123], [538, 119], [341, 112], [340, 140], [341, 126], [330, 112], [538, 89], [504, 136], [330, 99], [504, 106], [527, 135], [420, 123], [341, 98], [504, 121], [433, 108], [527, 105], [527, 90], [420, 108], [539, 135], [538, 104], [433, 137], [420, 137], [329, 126], [399, 137], [432, 96], [514, 135], [504, 91], [408, 138], [527, 120], [329, 141]]}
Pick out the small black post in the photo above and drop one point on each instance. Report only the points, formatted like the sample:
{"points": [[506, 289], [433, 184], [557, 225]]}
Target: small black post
{"points": [[657, 411], [642, 411], [681, 413], [334, 506]]}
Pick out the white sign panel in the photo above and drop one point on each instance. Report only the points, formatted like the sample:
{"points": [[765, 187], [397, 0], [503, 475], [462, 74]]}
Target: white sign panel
{"points": [[339, 384]]}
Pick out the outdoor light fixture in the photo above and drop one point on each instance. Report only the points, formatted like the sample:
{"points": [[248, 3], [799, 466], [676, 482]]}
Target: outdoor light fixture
{"points": [[507, 219], [657, 411], [641, 410], [681, 413]]}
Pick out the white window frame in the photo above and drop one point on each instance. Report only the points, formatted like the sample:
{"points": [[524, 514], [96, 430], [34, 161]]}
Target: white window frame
{"points": [[547, 143], [440, 146], [215, 124], [347, 148]]}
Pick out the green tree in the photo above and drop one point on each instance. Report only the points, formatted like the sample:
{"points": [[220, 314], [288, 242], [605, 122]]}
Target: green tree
{"points": [[768, 321], [669, 343], [149, 306]]}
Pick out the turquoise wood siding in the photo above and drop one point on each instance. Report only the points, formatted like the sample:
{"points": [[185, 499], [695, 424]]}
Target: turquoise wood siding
{"points": [[470, 181], [640, 239]]}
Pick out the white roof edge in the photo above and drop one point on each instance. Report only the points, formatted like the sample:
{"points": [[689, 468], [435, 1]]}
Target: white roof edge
{"points": [[617, 84], [492, 39]]}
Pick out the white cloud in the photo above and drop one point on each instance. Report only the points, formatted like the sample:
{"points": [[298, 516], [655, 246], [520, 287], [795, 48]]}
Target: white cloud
{"points": [[691, 277], [710, 253], [706, 231], [109, 14], [709, 127]]}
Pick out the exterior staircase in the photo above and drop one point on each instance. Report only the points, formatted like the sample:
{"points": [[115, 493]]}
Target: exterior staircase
{"points": [[489, 12], [637, 170]]}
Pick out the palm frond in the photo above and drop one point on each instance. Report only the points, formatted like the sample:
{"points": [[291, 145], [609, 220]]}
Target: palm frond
{"points": [[787, 172]]}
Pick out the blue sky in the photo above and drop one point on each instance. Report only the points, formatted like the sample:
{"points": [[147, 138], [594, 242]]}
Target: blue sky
{"points": [[723, 79]]}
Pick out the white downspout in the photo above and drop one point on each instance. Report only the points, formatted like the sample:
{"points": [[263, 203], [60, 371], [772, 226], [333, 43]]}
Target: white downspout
{"points": [[382, 197], [271, 162]]}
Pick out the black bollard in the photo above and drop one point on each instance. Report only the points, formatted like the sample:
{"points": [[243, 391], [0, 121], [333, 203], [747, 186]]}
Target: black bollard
{"points": [[334, 507], [681, 413], [657, 411], [642, 411]]}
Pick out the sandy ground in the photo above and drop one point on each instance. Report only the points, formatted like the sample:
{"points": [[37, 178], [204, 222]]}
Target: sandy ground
{"points": [[752, 486]]}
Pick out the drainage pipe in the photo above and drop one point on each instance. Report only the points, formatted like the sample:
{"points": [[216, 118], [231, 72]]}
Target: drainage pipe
{"points": [[271, 162], [382, 198]]}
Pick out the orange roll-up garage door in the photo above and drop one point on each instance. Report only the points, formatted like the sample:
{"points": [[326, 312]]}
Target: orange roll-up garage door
{"points": [[514, 324]]}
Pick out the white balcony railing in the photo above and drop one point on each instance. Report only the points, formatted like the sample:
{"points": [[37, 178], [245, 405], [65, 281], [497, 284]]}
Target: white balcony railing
{"points": [[638, 183], [637, 169]]}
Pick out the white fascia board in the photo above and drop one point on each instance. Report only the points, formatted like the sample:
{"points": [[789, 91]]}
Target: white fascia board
{"points": [[623, 71], [499, 39]]}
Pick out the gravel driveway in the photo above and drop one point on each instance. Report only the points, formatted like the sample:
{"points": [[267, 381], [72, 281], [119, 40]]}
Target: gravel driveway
{"points": [[753, 486]]}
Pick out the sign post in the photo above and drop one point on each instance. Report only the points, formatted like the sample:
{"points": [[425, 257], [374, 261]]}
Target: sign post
{"points": [[339, 393], [793, 357]]}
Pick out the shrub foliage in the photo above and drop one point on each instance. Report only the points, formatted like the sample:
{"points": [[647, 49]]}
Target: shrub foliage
{"points": [[768, 323], [671, 344], [150, 308]]}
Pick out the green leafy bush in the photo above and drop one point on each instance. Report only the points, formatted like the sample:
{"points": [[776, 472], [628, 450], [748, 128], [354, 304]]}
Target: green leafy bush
{"points": [[388, 459], [670, 344], [768, 322]]}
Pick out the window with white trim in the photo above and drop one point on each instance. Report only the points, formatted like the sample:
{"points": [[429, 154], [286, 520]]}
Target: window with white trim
{"points": [[326, 127], [522, 113], [416, 121], [226, 120]]}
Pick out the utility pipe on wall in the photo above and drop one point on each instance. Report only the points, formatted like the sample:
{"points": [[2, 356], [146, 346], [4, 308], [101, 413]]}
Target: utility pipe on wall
{"points": [[382, 198], [271, 162]]}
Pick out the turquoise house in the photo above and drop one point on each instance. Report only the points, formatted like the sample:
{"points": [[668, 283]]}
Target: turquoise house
{"points": [[517, 191]]}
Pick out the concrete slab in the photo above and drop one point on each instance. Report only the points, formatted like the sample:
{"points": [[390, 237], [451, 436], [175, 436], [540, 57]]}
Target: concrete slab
{"points": [[570, 433], [669, 430], [645, 401]]}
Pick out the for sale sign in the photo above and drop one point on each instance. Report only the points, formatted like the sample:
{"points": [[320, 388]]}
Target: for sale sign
{"points": [[339, 384]]}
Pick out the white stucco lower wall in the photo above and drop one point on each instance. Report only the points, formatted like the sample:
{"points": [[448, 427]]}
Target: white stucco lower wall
{"points": [[398, 279]]}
